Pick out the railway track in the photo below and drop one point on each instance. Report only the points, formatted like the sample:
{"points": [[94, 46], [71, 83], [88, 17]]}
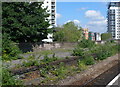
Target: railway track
{"points": [[89, 82], [103, 79], [19, 71], [70, 61]]}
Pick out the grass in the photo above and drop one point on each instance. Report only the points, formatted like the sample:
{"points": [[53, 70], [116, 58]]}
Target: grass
{"points": [[47, 52]]}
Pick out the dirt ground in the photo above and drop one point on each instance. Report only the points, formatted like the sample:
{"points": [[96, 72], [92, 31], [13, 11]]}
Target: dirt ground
{"points": [[92, 72]]}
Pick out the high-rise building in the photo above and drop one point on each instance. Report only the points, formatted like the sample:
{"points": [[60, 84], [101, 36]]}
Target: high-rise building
{"points": [[114, 19], [51, 9]]}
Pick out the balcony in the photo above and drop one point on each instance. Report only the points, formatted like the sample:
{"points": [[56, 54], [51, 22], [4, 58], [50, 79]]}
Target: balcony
{"points": [[112, 13], [53, 7], [53, 17], [53, 14], [52, 3], [53, 11]]}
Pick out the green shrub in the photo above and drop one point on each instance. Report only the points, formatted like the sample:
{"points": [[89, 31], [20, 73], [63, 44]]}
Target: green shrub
{"points": [[83, 48], [48, 59], [43, 72], [10, 50], [118, 46], [78, 52], [31, 63], [102, 51], [89, 60], [81, 65], [101, 55], [34, 62], [86, 44], [60, 71], [106, 51], [8, 79]]}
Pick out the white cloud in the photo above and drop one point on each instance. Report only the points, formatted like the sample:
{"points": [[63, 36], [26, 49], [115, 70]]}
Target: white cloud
{"points": [[97, 22], [58, 15], [77, 22], [82, 8], [94, 15], [97, 28], [100, 22], [68, 21]]}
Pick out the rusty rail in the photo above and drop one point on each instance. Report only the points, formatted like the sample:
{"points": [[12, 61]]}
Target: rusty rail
{"points": [[71, 60]]}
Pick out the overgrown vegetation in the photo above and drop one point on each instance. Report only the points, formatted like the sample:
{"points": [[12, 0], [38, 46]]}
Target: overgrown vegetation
{"points": [[36, 62], [8, 79], [86, 44], [53, 73], [61, 71], [102, 51], [88, 60], [10, 50]]}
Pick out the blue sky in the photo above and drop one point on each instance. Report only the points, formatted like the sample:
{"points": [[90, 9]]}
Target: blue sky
{"points": [[90, 15]]}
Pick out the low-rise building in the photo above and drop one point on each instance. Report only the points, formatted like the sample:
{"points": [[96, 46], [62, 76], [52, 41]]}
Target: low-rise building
{"points": [[91, 36], [97, 36], [85, 33]]}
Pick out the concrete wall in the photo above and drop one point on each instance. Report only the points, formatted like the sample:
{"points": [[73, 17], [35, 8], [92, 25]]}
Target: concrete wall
{"points": [[29, 47]]}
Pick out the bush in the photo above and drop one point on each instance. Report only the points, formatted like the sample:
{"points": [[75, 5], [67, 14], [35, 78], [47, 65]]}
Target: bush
{"points": [[10, 51], [31, 63], [43, 72], [48, 59], [60, 71], [89, 60], [8, 79], [118, 47], [101, 56], [105, 51], [81, 65], [78, 52], [102, 51], [34, 62], [86, 43]]}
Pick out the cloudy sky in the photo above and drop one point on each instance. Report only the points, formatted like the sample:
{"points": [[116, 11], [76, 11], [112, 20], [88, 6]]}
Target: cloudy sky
{"points": [[90, 15]]}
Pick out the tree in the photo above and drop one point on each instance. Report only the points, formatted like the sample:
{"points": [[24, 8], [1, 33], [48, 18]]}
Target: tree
{"points": [[24, 21], [69, 32], [106, 36]]}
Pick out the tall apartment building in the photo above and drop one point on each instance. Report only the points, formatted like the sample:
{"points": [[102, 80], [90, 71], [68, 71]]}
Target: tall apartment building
{"points": [[51, 9], [114, 19]]}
